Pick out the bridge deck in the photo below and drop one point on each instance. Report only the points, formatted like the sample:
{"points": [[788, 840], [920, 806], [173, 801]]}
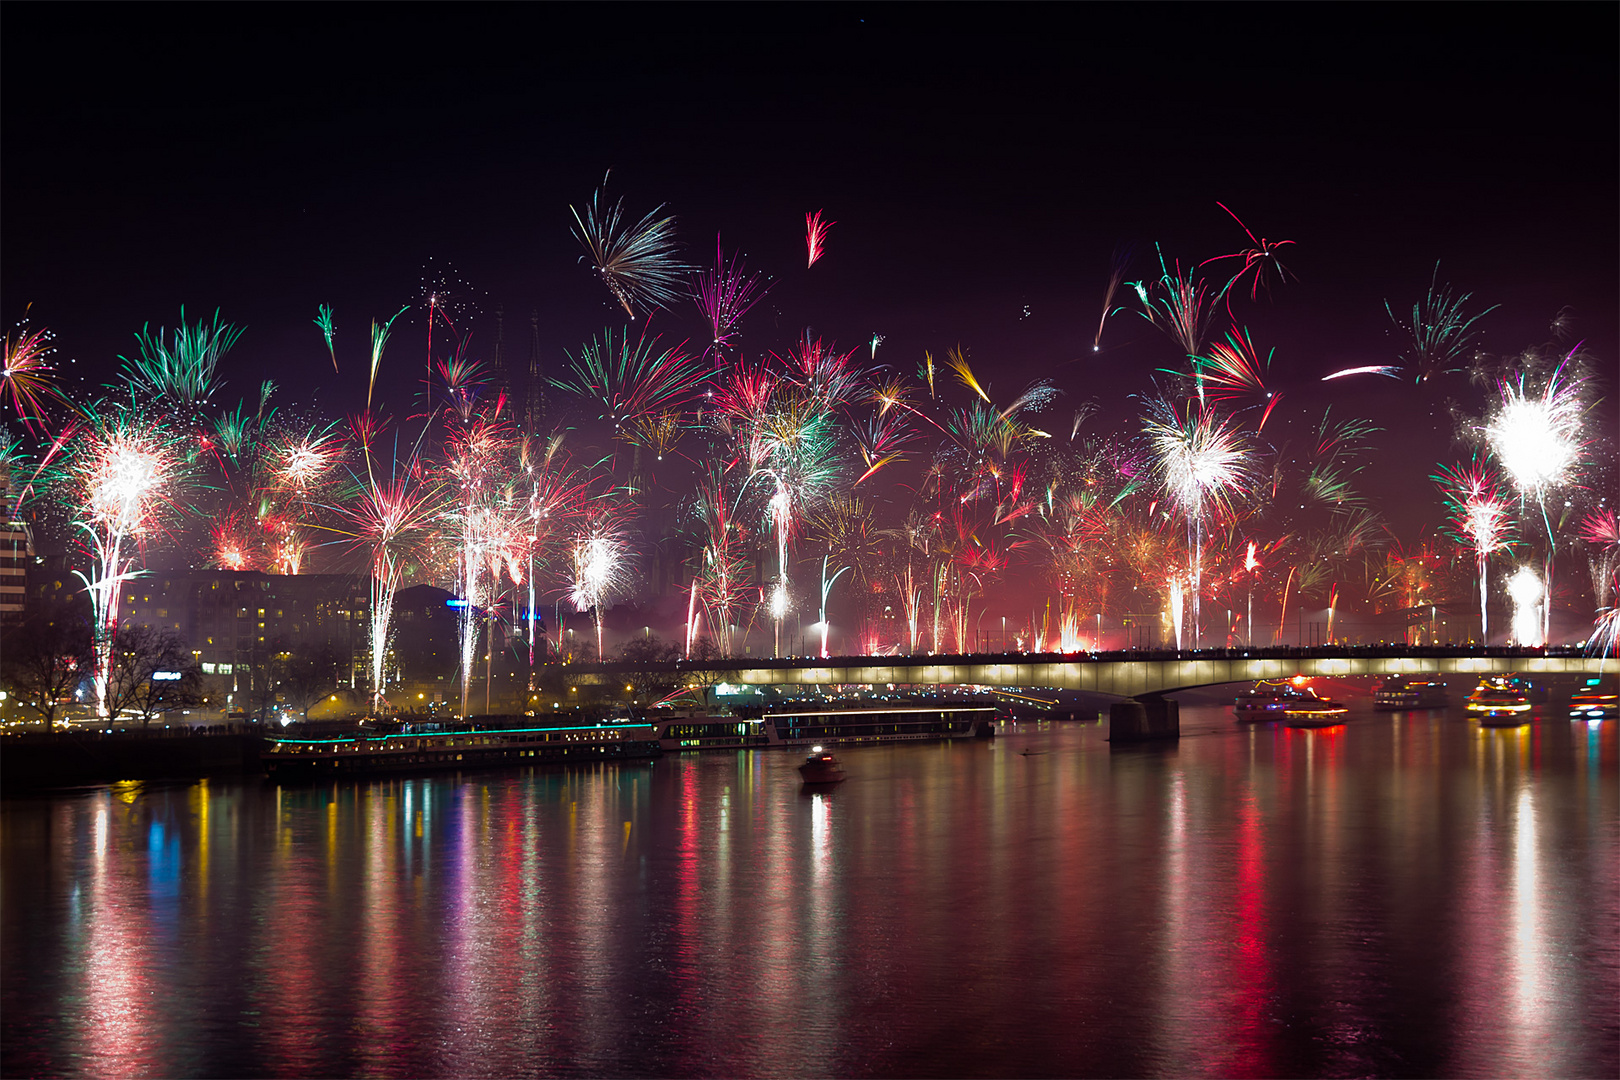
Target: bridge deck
{"points": [[1125, 674]]}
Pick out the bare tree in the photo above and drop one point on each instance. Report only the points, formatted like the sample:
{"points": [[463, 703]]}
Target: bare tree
{"points": [[151, 672], [660, 656], [44, 656], [306, 674]]}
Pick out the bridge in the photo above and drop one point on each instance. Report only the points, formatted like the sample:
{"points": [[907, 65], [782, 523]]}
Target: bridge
{"points": [[1131, 674]]}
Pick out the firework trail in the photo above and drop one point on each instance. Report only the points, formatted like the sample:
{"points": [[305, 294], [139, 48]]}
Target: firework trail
{"points": [[1259, 261], [323, 320], [488, 521], [1233, 370], [1600, 529], [1202, 461], [297, 468], [815, 236], [1527, 592], [628, 379], [1365, 369], [724, 295], [121, 474], [828, 377], [1116, 277], [1479, 519], [391, 517], [379, 342], [28, 377], [1538, 438], [638, 263], [1441, 329], [182, 373], [599, 557], [1180, 305], [826, 589]]}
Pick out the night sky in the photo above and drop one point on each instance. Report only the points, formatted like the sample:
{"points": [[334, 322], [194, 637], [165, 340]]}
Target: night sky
{"points": [[982, 165]]}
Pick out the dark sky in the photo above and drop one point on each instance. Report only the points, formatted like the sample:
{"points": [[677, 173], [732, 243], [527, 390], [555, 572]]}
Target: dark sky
{"points": [[982, 164]]}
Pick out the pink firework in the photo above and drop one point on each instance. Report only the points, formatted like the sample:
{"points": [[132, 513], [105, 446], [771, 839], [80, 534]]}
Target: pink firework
{"points": [[1259, 262], [724, 296], [1480, 518], [121, 475], [1233, 371], [390, 518], [815, 236]]}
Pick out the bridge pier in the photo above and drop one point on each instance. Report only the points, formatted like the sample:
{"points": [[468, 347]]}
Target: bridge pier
{"points": [[1145, 720]]}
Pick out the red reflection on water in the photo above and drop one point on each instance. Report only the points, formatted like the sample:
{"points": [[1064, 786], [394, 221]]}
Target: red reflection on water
{"points": [[120, 1029]]}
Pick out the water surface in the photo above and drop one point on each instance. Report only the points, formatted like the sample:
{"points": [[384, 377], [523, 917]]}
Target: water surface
{"points": [[1406, 895]]}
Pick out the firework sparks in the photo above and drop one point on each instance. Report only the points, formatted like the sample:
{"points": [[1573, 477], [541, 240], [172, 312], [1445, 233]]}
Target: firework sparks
{"points": [[1365, 369], [28, 377], [1479, 519], [1259, 261], [120, 477], [1116, 277], [638, 264], [1537, 436], [323, 320], [1178, 304], [1233, 370], [724, 295], [181, 372], [1440, 331], [1202, 461], [1526, 591], [633, 379], [815, 236], [599, 557]]}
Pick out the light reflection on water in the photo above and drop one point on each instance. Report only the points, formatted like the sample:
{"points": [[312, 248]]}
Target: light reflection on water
{"points": [[1406, 895]]}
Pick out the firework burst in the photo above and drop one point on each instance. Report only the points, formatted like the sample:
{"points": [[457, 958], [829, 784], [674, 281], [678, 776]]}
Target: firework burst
{"points": [[1479, 519], [815, 236], [638, 263], [28, 378], [1202, 461], [724, 295], [121, 476], [1441, 330]]}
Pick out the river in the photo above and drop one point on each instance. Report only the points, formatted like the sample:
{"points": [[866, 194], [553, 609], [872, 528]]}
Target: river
{"points": [[1407, 895]]}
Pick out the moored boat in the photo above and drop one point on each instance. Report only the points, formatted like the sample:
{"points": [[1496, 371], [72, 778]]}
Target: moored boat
{"points": [[415, 750], [1403, 692]]}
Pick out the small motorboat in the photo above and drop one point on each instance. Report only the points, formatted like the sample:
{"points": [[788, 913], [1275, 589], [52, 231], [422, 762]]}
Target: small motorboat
{"points": [[821, 768], [1591, 702]]}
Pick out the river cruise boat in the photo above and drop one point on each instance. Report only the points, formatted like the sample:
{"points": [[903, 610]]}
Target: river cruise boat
{"points": [[1270, 699], [807, 725], [411, 749], [1402, 693], [1315, 713], [1592, 702], [1505, 700]]}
